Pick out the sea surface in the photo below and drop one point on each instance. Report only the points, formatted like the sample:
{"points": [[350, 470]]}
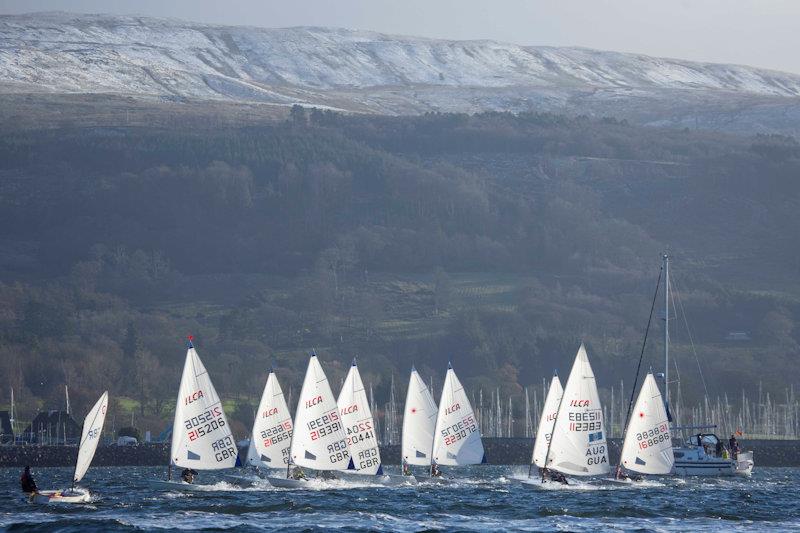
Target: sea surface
{"points": [[483, 498]]}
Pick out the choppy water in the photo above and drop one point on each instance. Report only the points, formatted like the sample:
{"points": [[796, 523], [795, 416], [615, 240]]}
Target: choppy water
{"points": [[486, 499]]}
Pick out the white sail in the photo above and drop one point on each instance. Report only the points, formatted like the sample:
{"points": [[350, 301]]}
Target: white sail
{"points": [[201, 436], [648, 445], [272, 429], [419, 422], [362, 442], [318, 440], [457, 439], [90, 436], [252, 458], [578, 446], [547, 421]]}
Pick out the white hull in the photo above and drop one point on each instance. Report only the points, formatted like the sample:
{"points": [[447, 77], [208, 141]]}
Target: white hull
{"points": [[61, 496], [163, 484], [434, 480], [537, 484], [384, 479], [284, 483], [711, 468], [243, 480], [693, 461], [744, 464]]}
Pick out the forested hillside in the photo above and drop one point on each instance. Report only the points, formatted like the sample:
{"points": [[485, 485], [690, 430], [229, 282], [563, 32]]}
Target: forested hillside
{"points": [[496, 241]]}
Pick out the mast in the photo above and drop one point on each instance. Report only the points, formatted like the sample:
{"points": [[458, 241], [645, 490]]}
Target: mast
{"points": [[11, 418], [666, 329]]}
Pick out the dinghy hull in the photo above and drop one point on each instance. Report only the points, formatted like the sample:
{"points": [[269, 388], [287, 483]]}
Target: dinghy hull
{"points": [[380, 479], [284, 483], [162, 484], [433, 480], [61, 496]]}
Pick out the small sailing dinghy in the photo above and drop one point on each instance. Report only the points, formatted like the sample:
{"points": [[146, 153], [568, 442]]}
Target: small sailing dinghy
{"points": [[647, 448], [201, 436], [271, 437], [578, 443], [90, 437], [419, 424], [362, 441], [318, 438], [272, 430], [545, 430], [457, 438]]}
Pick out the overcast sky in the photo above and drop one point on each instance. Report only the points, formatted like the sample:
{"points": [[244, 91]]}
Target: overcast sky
{"points": [[764, 33]]}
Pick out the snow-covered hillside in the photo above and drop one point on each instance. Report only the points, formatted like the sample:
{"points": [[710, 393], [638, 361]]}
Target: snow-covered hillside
{"points": [[355, 70]]}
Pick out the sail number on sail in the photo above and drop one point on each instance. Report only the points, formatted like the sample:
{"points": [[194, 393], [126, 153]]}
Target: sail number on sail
{"points": [[327, 424], [205, 423], [586, 421], [653, 436], [224, 448], [461, 429], [359, 432], [280, 433]]}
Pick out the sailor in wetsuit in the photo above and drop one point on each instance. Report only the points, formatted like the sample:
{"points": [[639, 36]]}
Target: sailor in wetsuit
{"points": [[554, 475], [188, 475], [26, 482], [435, 472]]}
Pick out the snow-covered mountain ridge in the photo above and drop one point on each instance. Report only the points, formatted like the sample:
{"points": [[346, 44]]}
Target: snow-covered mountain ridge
{"points": [[355, 70]]}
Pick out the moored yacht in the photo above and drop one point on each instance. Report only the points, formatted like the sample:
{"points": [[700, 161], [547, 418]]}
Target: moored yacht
{"points": [[701, 454]]}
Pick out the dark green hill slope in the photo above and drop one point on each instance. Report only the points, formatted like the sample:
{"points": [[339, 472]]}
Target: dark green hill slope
{"points": [[495, 241]]}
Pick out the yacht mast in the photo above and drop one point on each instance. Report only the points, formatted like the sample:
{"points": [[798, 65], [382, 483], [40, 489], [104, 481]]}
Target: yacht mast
{"points": [[666, 329]]}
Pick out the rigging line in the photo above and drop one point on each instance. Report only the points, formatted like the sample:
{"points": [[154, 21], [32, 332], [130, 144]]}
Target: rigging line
{"points": [[641, 355], [672, 291], [691, 340]]}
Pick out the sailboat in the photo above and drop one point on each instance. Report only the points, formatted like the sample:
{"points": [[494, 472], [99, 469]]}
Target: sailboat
{"points": [[546, 423], [201, 435], [647, 448], [419, 423], [457, 437], [271, 437], [578, 443], [90, 437], [318, 438], [362, 441], [697, 455]]}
